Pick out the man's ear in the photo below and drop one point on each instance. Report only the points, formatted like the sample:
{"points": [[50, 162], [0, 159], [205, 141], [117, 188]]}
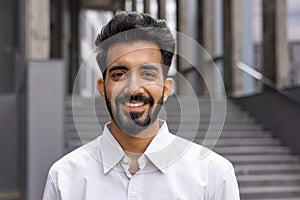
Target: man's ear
{"points": [[100, 87], [168, 88]]}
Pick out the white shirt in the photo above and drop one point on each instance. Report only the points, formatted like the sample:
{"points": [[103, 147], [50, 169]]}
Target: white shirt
{"points": [[171, 168]]}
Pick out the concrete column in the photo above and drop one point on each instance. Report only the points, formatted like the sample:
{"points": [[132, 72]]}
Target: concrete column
{"points": [[248, 47], [37, 29], [269, 39], [7, 44], [147, 6], [66, 39], [276, 65], [45, 139], [232, 46], [186, 20], [56, 28], [133, 5], [282, 57], [200, 86], [206, 38], [208, 26], [237, 46], [162, 9], [74, 7]]}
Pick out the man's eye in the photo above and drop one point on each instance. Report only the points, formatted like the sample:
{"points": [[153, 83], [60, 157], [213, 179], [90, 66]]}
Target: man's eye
{"points": [[118, 74], [149, 74]]}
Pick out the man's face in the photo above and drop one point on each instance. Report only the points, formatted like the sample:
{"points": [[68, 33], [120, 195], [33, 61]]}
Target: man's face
{"points": [[134, 88]]}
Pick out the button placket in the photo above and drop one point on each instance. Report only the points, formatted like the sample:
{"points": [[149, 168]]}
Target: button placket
{"points": [[125, 163], [134, 187]]}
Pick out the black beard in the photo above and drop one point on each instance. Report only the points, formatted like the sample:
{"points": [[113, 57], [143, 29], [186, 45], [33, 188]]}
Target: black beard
{"points": [[135, 125]]}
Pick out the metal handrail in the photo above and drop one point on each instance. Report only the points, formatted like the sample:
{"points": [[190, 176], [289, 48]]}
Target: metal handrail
{"points": [[260, 77], [256, 75]]}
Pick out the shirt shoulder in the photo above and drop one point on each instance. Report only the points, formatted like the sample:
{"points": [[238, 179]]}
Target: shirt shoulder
{"points": [[205, 156], [78, 159], [205, 162], [210, 157], [212, 170]]}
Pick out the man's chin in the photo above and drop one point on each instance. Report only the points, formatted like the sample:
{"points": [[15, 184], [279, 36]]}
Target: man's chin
{"points": [[139, 123], [133, 126], [136, 116]]}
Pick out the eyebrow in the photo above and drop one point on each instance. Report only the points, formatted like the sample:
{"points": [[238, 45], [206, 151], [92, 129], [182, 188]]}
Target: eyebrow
{"points": [[143, 67], [149, 67], [117, 67]]}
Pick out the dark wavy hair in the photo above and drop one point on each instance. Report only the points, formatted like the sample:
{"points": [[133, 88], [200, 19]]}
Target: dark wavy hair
{"points": [[133, 26]]}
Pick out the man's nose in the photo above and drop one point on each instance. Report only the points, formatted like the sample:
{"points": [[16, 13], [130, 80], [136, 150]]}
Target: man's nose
{"points": [[134, 85]]}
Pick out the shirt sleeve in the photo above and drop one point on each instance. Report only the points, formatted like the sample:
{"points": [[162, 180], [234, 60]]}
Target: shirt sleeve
{"points": [[228, 188], [50, 191]]}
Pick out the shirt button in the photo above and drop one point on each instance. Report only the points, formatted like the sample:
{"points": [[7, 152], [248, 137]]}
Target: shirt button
{"points": [[125, 160], [134, 194]]}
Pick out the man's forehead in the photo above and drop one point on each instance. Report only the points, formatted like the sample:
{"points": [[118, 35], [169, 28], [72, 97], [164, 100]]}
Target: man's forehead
{"points": [[122, 48], [134, 51]]}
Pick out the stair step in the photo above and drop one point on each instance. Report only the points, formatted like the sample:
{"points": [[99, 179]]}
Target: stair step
{"points": [[263, 159], [271, 192], [88, 119], [193, 136], [171, 122], [269, 179], [238, 142], [258, 150], [185, 127], [169, 119], [267, 169], [225, 134], [222, 142], [284, 198], [179, 115]]}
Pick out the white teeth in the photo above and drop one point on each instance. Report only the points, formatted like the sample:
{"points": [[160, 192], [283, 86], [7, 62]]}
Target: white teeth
{"points": [[134, 104]]}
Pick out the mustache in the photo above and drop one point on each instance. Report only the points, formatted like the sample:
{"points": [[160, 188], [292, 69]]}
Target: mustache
{"points": [[141, 98]]}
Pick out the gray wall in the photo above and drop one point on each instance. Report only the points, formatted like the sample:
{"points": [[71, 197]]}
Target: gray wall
{"points": [[8, 143], [45, 121], [7, 46], [278, 114]]}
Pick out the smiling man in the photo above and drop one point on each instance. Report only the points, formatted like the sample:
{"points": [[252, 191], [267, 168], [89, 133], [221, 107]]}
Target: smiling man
{"points": [[134, 82], [137, 157]]}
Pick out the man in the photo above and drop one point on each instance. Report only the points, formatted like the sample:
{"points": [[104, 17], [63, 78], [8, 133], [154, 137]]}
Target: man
{"points": [[137, 157]]}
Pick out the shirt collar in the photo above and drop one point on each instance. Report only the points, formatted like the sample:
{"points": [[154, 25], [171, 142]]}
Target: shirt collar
{"points": [[153, 152], [111, 151], [164, 149]]}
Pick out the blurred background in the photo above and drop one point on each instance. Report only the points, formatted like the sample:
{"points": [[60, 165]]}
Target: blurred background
{"points": [[255, 45]]}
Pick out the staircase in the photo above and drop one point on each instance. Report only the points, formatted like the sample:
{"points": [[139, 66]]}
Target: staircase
{"points": [[265, 169]]}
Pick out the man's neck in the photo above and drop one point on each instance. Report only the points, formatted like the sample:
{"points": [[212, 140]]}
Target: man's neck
{"points": [[134, 144]]}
